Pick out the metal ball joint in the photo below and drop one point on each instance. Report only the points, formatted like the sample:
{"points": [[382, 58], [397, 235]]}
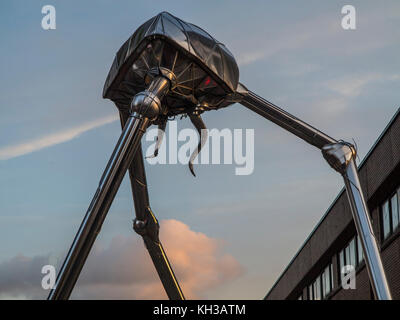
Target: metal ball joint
{"points": [[139, 226], [147, 103]]}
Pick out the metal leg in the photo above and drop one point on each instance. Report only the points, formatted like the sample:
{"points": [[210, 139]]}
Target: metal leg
{"points": [[105, 193], [340, 155], [362, 221], [147, 225], [282, 118], [145, 108]]}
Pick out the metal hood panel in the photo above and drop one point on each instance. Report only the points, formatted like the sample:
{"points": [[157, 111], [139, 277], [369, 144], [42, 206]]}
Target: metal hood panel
{"points": [[198, 45]]}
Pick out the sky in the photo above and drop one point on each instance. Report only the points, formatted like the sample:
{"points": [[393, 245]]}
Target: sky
{"points": [[227, 236]]}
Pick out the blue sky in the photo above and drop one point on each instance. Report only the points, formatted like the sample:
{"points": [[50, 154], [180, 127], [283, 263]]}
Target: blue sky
{"points": [[344, 82]]}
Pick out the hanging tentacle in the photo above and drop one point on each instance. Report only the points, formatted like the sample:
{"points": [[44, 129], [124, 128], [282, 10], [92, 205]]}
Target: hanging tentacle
{"points": [[160, 135], [197, 121]]}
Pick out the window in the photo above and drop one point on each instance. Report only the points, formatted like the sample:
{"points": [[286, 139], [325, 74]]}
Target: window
{"points": [[341, 263], [322, 286], [310, 292], [386, 219], [352, 249], [317, 288], [327, 281], [359, 250], [347, 255], [351, 254], [390, 215], [395, 211]]}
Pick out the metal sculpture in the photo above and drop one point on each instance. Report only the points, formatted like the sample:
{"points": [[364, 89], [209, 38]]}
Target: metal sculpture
{"points": [[169, 67]]}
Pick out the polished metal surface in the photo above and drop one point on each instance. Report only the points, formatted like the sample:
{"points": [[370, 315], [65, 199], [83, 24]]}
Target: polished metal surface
{"points": [[95, 215], [139, 119], [339, 155], [146, 220], [205, 69], [363, 225], [282, 118], [148, 103]]}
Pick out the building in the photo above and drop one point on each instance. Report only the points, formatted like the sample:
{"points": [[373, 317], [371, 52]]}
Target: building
{"points": [[313, 273]]}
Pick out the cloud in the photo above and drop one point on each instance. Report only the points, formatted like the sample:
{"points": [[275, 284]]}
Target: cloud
{"points": [[19, 274], [49, 140], [286, 42], [352, 85], [340, 94], [250, 57], [321, 32], [288, 39], [123, 270]]}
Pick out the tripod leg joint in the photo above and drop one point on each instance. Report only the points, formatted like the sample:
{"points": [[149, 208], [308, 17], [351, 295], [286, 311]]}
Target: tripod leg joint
{"points": [[339, 155], [147, 227]]}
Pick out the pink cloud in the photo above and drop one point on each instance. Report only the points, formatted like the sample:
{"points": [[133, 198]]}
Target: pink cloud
{"points": [[123, 270]]}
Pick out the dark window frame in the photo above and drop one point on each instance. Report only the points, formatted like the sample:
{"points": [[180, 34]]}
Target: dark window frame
{"points": [[310, 291], [311, 294], [329, 269], [342, 251], [392, 230], [318, 283]]}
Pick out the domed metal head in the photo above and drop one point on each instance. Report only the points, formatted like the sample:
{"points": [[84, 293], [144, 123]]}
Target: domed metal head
{"points": [[203, 71]]}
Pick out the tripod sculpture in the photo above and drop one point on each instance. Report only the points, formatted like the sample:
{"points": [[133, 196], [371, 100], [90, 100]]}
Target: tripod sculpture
{"points": [[169, 67]]}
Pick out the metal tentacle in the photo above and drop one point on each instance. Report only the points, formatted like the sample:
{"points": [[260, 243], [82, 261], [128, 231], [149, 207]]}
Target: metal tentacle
{"points": [[160, 136], [197, 121]]}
